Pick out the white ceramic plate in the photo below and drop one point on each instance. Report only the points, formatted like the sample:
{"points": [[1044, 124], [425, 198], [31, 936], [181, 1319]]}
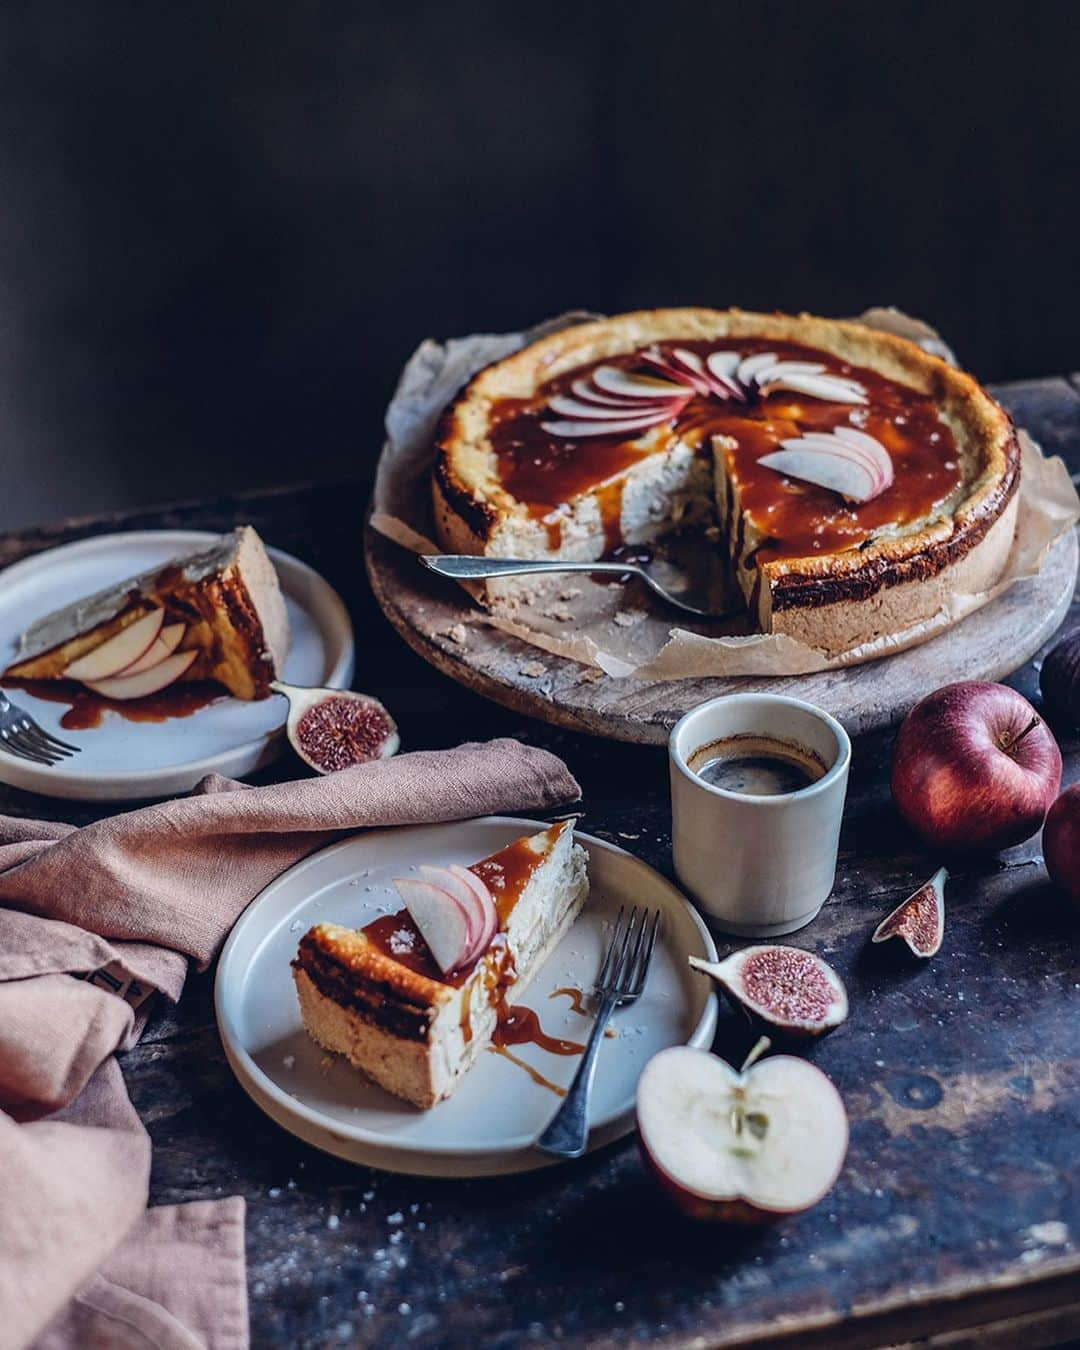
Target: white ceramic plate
{"points": [[488, 1126], [123, 760]]}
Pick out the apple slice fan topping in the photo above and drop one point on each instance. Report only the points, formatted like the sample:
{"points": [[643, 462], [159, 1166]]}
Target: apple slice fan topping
{"points": [[740, 1146], [786, 988], [920, 919], [844, 460], [455, 913], [611, 401], [139, 660]]}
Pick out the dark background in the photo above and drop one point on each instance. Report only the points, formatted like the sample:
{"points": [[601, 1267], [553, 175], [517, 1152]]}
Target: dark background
{"points": [[224, 227]]}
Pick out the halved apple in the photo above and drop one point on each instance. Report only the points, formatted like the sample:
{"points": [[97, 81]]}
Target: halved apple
{"points": [[126, 687], [118, 652], [162, 646], [441, 919], [742, 1147]]}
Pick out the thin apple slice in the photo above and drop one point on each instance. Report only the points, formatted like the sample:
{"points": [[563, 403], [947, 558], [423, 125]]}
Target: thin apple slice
{"points": [[162, 646], [588, 393], [573, 431], [464, 894], [750, 366], [615, 381], [442, 922], [829, 444], [723, 367], [126, 687], [830, 388], [575, 408], [683, 366], [485, 899], [119, 651], [825, 468]]}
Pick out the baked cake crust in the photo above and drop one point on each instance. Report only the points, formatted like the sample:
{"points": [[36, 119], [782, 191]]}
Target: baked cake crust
{"points": [[833, 600]]}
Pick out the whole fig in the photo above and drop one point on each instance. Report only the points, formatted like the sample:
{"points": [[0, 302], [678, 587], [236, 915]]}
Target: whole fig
{"points": [[1059, 681]]}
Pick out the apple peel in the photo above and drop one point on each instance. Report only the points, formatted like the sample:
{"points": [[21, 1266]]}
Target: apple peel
{"points": [[920, 919], [787, 989]]}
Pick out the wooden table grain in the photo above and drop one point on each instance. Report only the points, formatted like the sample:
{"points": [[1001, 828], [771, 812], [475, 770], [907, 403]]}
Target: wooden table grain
{"points": [[957, 1216]]}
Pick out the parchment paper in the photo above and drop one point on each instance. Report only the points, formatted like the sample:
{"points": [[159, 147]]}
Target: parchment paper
{"points": [[621, 629]]}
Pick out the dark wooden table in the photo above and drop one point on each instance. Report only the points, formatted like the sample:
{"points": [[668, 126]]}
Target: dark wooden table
{"points": [[959, 1205]]}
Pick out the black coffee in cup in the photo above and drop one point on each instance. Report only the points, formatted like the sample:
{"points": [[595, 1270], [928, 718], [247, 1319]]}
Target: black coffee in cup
{"points": [[756, 766]]}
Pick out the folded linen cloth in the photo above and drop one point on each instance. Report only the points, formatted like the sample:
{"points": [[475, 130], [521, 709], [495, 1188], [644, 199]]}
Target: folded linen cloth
{"points": [[123, 905]]}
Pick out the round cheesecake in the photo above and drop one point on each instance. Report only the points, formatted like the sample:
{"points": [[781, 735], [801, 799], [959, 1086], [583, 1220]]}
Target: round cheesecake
{"points": [[856, 481]]}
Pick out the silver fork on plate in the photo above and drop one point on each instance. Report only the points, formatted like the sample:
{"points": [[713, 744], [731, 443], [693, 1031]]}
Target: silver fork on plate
{"points": [[620, 982], [20, 735]]}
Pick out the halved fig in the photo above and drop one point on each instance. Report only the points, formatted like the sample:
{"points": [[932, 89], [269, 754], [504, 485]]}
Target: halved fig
{"points": [[787, 988], [441, 919], [127, 687], [920, 919], [740, 1146], [119, 651]]}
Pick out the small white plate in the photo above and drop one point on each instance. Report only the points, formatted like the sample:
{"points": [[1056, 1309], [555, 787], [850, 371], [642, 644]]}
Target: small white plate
{"points": [[488, 1126], [124, 761]]}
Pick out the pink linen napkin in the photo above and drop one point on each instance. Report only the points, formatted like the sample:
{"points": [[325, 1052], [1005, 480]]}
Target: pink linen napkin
{"points": [[122, 906]]}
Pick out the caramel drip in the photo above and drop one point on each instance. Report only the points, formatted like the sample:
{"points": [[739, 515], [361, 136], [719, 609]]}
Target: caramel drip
{"points": [[795, 519], [538, 1078], [507, 873], [87, 708], [520, 1026], [576, 997]]}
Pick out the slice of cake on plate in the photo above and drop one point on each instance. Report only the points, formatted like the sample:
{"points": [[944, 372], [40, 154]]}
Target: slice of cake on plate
{"points": [[414, 997], [215, 614]]}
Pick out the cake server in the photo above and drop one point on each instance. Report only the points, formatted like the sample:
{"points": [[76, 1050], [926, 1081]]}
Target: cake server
{"points": [[672, 584]]}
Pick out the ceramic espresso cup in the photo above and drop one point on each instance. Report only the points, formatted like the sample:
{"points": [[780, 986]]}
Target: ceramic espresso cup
{"points": [[758, 866]]}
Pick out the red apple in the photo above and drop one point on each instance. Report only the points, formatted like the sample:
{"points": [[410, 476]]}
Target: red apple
{"points": [[975, 768], [1061, 842]]}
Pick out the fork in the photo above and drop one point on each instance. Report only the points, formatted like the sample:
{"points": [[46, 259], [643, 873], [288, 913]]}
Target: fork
{"points": [[20, 735], [620, 982]]}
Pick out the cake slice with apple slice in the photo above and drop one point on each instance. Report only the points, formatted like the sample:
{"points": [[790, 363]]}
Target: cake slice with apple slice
{"points": [[413, 998], [215, 614]]}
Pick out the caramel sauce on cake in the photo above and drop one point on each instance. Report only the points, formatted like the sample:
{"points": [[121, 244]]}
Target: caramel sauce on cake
{"points": [[797, 519], [506, 875]]}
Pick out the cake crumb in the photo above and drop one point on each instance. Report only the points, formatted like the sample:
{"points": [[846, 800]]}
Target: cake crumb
{"points": [[570, 593], [532, 670], [559, 613], [627, 618], [591, 675], [456, 633]]}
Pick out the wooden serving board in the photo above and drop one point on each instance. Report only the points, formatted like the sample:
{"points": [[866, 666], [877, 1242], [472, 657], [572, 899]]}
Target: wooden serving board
{"points": [[439, 621]]}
